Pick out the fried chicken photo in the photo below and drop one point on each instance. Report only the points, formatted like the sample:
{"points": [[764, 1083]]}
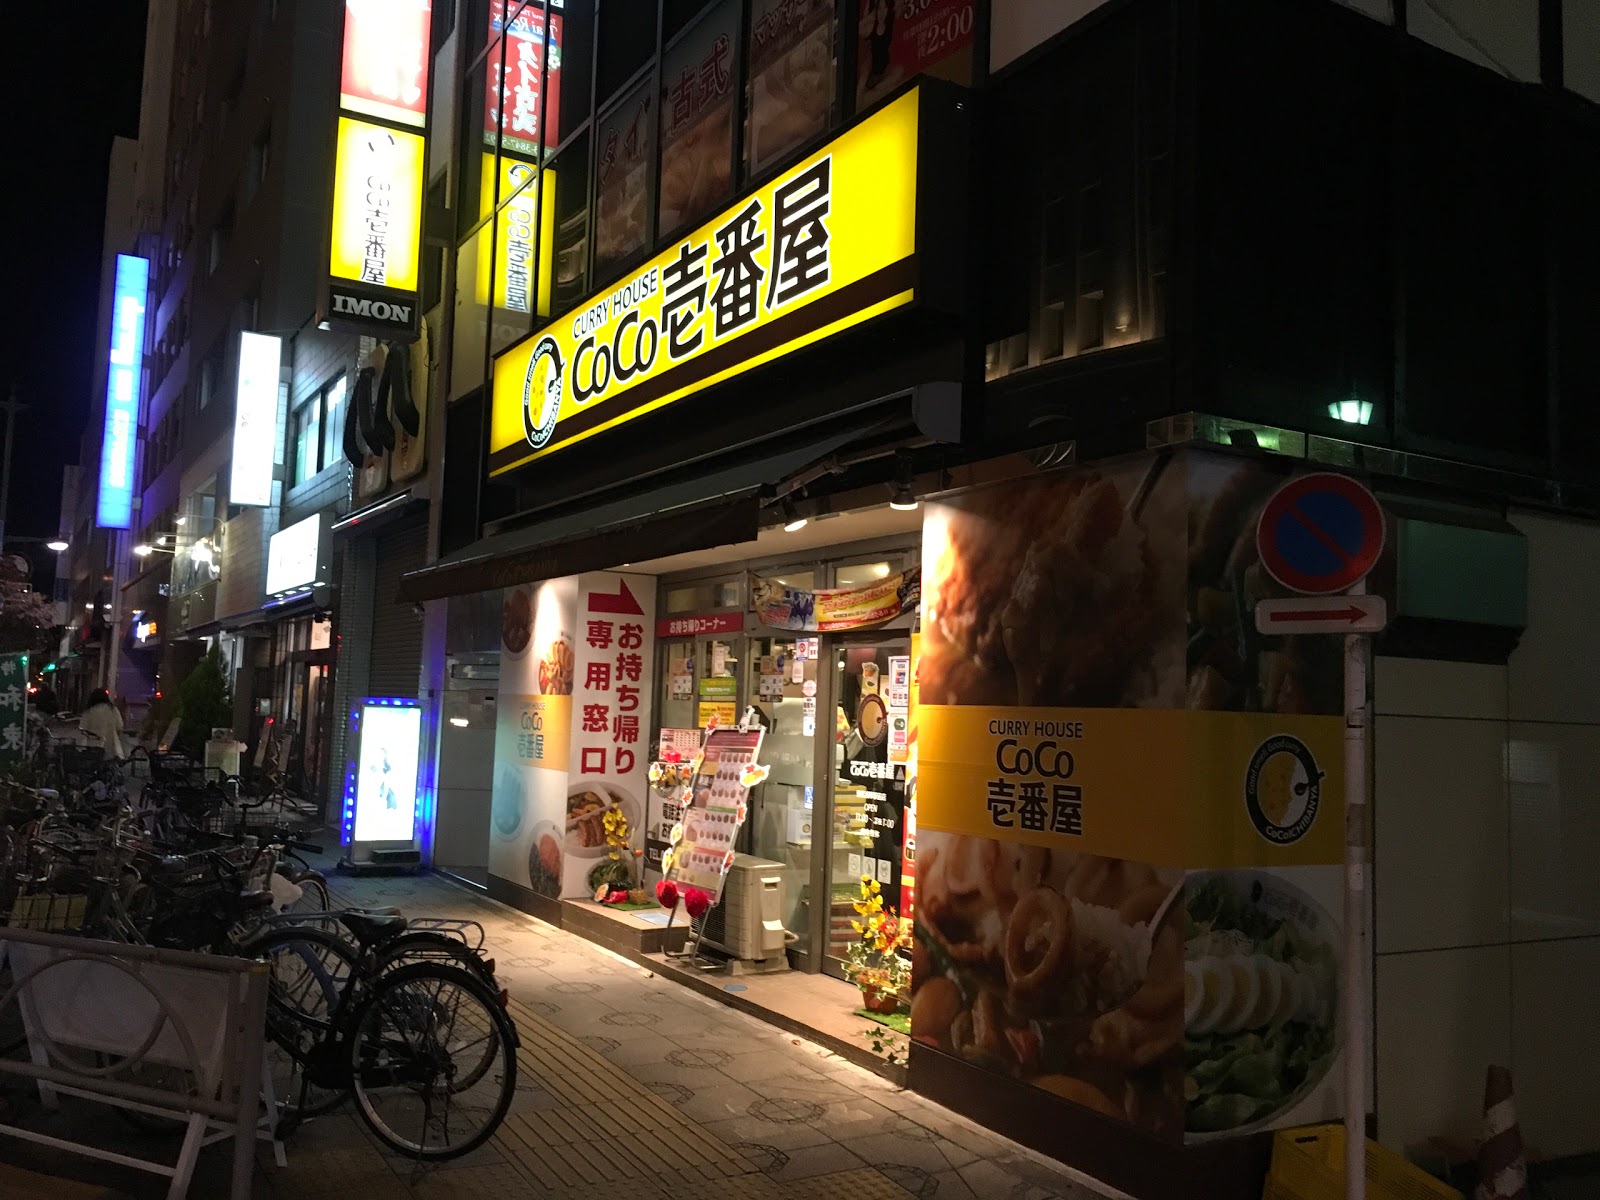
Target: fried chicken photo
{"points": [[1041, 596]]}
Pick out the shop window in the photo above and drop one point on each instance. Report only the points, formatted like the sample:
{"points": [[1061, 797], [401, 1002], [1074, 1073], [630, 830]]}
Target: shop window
{"points": [[570, 255], [861, 574], [624, 152], [699, 77], [792, 68], [572, 44], [704, 596]]}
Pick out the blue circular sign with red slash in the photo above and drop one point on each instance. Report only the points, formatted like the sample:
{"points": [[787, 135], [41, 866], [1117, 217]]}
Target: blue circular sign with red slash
{"points": [[1320, 533]]}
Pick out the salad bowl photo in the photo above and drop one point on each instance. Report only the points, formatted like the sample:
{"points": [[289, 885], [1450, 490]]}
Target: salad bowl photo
{"points": [[1261, 1000]]}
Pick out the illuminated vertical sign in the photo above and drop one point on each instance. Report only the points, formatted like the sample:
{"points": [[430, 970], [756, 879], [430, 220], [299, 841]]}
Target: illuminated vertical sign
{"points": [[124, 369], [516, 89], [379, 168], [255, 419], [384, 73]]}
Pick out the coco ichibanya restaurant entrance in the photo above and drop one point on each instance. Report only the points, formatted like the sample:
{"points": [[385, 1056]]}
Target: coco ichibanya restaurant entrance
{"points": [[834, 707]]}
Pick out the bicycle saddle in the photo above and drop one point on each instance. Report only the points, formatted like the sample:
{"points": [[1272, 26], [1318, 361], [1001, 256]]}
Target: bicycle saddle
{"points": [[370, 928]]}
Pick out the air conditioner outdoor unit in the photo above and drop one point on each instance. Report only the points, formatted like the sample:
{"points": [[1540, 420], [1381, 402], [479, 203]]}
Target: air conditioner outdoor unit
{"points": [[748, 924]]}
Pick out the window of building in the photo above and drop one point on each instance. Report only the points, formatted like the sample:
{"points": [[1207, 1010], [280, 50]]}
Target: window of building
{"points": [[256, 164], [305, 439], [623, 157], [334, 408], [219, 239], [699, 84], [210, 377], [791, 88], [316, 431]]}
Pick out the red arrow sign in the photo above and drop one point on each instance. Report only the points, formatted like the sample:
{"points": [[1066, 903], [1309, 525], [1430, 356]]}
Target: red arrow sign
{"points": [[1332, 614], [621, 602]]}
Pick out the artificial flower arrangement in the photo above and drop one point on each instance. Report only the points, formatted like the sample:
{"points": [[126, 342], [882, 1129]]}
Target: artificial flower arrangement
{"points": [[873, 961], [614, 877]]}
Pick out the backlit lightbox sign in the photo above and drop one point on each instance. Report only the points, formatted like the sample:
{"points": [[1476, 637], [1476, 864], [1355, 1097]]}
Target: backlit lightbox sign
{"points": [[379, 163], [124, 371], [384, 71], [380, 795], [828, 244], [294, 556], [377, 226], [255, 419]]}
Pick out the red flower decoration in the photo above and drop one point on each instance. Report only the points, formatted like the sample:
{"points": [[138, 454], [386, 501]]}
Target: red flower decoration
{"points": [[696, 902], [667, 893]]}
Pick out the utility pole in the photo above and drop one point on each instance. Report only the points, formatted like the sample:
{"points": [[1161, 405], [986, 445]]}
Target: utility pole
{"points": [[12, 407]]}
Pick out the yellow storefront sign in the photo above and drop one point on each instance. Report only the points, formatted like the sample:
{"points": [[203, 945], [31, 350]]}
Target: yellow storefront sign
{"points": [[377, 206], [823, 247], [1165, 787]]}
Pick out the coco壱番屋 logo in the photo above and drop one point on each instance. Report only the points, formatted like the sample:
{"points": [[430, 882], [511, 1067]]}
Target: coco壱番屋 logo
{"points": [[541, 393], [1282, 789]]}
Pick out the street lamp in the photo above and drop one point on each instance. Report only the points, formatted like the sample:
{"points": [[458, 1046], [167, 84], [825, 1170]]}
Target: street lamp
{"points": [[59, 545]]}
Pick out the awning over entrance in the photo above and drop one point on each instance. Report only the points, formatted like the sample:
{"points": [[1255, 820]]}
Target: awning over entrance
{"points": [[711, 508]]}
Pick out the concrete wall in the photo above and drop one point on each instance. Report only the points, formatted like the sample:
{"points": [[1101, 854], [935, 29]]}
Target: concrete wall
{"points": [[1487, 810]]}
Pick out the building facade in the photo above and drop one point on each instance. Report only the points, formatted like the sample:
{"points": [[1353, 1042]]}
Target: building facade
{"points": [[1132, 265]]}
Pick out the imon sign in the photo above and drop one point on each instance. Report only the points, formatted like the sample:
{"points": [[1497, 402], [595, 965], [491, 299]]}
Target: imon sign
{"points": [[826, 245], [385, 67], [1320, 533], [378, 167], [124, 370], [255, 419]]}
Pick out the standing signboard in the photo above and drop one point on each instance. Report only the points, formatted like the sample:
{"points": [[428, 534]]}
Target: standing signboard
{"points": [[702, 848]]}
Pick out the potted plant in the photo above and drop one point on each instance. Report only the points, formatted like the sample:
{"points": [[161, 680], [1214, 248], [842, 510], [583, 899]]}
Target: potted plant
{"points": [[873, 961]]}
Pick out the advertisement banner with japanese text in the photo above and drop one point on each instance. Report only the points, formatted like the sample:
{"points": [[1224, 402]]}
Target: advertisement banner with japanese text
{"points": [[766, 277], [1124, 868], [533, 735], [899, 39], [517, 89], [825, 610], [523, 225], [13, 708], [697, 112], [384, 72], [608, 768]]}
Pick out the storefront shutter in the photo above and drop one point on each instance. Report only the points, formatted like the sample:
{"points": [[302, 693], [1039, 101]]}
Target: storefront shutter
{"points": [[395, 658]]}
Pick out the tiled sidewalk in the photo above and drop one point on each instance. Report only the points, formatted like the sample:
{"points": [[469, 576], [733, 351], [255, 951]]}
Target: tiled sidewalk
{"points": [[635, 1086]]}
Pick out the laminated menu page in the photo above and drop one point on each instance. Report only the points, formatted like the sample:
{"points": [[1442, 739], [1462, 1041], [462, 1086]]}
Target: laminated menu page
{"points": [[714, 809]]}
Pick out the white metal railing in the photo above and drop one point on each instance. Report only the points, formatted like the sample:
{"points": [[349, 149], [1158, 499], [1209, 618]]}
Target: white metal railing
{"points": [[163, 1032]]}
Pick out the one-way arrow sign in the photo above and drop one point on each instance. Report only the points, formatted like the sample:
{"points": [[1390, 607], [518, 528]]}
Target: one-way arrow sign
{"points": [[1322, 614]]}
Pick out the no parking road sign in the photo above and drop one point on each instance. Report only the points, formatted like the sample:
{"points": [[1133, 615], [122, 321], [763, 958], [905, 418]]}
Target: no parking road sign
{"points": [[1320, 533]]}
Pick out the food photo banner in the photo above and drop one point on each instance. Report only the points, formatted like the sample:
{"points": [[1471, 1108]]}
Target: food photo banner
{"points": [[1129, 805], [832, 610]]}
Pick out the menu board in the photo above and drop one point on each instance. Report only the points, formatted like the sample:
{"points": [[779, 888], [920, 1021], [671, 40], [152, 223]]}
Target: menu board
{"points": [[702, 850]]}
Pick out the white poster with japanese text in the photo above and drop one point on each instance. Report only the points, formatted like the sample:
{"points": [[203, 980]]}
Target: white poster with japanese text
{"points": [[609, 762]]}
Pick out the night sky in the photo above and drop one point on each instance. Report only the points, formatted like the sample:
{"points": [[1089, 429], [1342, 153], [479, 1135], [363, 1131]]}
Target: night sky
{"points": [[70, 82]]}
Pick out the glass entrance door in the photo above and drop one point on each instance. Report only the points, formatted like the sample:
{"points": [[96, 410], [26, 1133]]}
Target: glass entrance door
{"points": [[867, 809]]}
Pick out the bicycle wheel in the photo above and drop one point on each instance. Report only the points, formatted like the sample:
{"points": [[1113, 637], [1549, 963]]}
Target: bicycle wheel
{"points": [[310, 970], [416, 1046], [313, 891], [424, 945]]}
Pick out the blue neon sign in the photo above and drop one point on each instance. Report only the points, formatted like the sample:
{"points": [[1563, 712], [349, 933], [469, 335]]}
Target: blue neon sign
{"points": [[124, 370]]}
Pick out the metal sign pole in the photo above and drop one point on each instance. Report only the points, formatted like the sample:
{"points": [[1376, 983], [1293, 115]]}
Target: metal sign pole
{"points": [[1357, 670]]}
